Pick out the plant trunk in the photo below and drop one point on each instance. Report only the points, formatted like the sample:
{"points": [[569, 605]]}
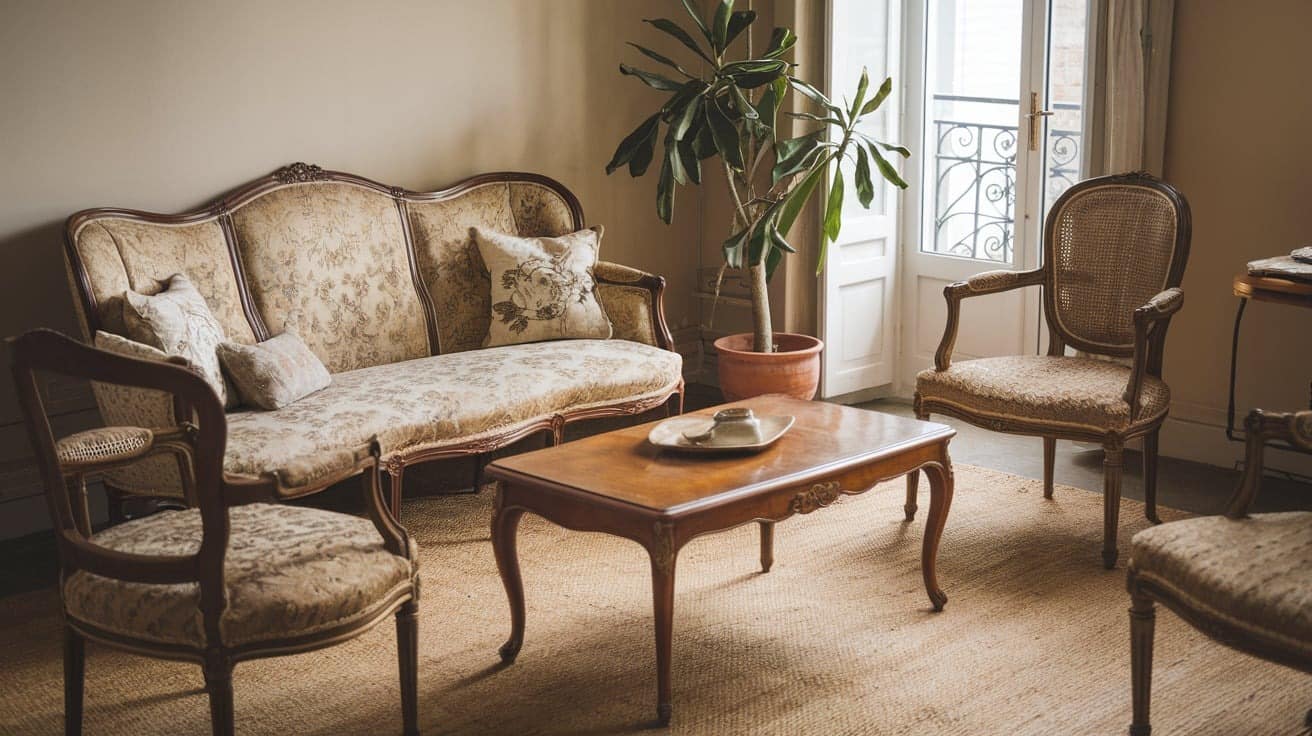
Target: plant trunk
{"points": [[762, 331]]}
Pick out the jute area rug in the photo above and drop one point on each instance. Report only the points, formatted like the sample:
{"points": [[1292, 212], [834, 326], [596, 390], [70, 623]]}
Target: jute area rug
{"points": [[837, 639]]}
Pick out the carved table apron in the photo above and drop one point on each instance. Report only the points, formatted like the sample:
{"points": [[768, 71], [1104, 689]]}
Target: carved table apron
{"points": [[616, 483]]}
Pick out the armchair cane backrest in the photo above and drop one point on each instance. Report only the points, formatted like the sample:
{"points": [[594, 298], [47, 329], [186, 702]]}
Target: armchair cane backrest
{"points": [[47, 351], [1111, 243]]}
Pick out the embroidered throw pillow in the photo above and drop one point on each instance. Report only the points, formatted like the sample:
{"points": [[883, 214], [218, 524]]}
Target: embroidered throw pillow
{"points": [[274, 373], [542, 288], [179, 322]]}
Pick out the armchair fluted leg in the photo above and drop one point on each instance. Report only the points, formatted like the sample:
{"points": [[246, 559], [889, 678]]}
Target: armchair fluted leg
{"points": [[1112, 465], [1049, 461], [218, 683], [1142, 619], [74, 680], [407, 652], [1150, 476]]}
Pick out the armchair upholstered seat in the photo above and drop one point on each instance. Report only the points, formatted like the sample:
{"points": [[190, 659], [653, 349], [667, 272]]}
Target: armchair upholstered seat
{"points": [[289, 572], [1245, 581], [1078, 392], [1114, 252]]}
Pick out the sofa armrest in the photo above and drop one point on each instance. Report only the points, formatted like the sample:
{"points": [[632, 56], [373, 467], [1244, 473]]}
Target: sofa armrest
{"points": [[635, 303]]}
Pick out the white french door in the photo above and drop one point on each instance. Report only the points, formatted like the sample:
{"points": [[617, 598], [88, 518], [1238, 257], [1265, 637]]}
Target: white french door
{"points": [[994, 117]]}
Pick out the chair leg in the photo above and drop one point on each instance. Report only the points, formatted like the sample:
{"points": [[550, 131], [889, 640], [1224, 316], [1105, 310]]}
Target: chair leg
{"points": [[1150, 476], [913, 483], [74, 680], [114, 506], [395, 474], [1049, 460], [218, 683], [1111, 501], [407, 652], [1142, 618]]}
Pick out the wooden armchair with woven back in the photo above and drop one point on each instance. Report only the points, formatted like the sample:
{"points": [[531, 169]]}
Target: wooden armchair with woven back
{"points": [[1114, 250], [1245, 581], [230, 579]]}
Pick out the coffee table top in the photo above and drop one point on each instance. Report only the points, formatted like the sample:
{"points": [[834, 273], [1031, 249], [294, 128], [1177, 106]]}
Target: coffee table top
{"points": [[621, 465]]}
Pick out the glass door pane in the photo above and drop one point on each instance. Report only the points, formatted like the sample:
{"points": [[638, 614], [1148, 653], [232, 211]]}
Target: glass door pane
{"points": [[1062, 165], [973, 56]]}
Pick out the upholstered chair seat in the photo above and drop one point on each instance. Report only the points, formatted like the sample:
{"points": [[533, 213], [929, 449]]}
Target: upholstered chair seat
{"points": [[289, 572], [1041, 389]]}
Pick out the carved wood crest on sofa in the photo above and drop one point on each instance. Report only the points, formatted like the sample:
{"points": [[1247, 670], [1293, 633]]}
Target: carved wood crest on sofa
{"points": [[387, 288]]}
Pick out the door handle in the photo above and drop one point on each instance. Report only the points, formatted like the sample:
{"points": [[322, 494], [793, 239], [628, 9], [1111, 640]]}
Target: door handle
{"points": [[1035, 115]]}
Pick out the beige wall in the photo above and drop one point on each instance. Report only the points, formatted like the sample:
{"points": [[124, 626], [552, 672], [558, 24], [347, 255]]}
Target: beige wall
{"points": [[163, 105], [1237, 146]]}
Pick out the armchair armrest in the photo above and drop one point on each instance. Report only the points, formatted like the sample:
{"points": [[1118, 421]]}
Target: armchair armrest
{"points": [[1260, 428], [988, 282], [1150, 323], [635, 303]]}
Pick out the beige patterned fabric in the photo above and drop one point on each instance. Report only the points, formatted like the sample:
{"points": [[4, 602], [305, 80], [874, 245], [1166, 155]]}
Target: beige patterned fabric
{"points": [[1254, 573], [104, 444], [450, 264], [630, 311], [289, 571], [443, 400], [273, 373], [125, 255], [178, 321], [138, 407], [1072, 392], [542, 288], [328, 261], [540, 211]]}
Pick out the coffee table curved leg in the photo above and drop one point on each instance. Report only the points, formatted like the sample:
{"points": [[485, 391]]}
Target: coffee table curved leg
{"points": [[767, 545], [505, 523], [940, 500], [663, 556]]}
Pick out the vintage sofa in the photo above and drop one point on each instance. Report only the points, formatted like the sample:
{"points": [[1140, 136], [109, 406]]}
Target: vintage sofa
{"points": [[387, 288]]}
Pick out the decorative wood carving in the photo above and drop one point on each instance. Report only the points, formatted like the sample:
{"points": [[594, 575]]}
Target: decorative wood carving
{"points": [[300, 172], [816, 497], [662, 546]]}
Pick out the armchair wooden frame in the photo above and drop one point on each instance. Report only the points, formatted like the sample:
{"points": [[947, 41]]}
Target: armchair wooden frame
{"points": [[1151, 321], [200, 441], [1260, 428]]}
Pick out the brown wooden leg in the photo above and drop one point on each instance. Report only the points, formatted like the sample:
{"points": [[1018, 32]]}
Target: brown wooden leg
{"points": [[505, 523], [407, 652], [1111, 502], [478, 472], [940, 500], [674, 405], [913, 488], [767, 545], [75, 655], [663, 556], [1049, 460], [557, 431], [1142, 618], [218, 683], [1150, 477], [114, 506], [395, 474]]}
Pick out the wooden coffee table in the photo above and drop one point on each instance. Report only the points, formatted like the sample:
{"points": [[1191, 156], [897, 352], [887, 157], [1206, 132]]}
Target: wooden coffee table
{"points": [[619, 484]]}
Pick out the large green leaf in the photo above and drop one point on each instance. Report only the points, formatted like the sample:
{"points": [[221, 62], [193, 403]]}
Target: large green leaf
{"points": [[739, 22], [827, 119], [667, 61], [674, 160], [682, 121], [834, 208], [885, 90], [720, 26], [628, 148], [801, 194], [691, 165], [643, 156], [791, 155], [733, 248], [771, 100], [703, 143], [697, 18], [665, 193], [865, 189], [861, 88], [675, 30], [725, 135], [781, 41], [814, 94], [753, 66], [900, 150], [742, 105], [651, 79], [885, 168]]}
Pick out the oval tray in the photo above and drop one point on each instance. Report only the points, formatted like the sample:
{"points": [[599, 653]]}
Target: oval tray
{"points": [[669, 435]]}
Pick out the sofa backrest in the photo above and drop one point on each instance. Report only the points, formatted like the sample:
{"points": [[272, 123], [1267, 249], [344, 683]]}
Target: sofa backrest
{"points": [[365, 273]]}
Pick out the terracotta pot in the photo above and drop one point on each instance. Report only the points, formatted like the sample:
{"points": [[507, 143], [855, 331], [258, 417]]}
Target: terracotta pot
{"points": [[793, 371]]}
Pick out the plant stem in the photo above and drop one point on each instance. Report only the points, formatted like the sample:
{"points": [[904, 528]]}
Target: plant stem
{"points": [[762, 330]]}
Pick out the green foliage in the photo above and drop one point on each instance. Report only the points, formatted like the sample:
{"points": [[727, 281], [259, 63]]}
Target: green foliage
{"points": [[731, 109]]}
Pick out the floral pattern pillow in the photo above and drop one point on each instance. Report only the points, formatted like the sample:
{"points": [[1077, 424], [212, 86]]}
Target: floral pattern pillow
{"points": [[179, 322], [274, 373], [542, 288]]}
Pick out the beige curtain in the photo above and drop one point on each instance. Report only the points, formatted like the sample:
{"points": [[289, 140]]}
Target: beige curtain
{"points": [[1130, 68]]}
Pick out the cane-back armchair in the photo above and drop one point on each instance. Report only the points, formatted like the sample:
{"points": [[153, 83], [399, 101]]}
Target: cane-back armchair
{"points": [[1245, 581], [1114, 252], [233, 578]]}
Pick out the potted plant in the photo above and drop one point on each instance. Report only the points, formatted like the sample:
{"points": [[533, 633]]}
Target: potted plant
{"points": [[724, 114]]}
